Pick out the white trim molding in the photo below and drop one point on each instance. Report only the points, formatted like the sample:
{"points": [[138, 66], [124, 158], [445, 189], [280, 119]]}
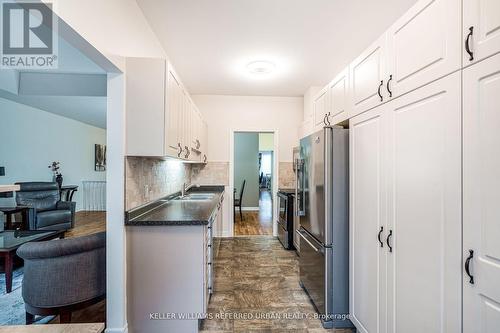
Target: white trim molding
{"points": [[275, 182]]}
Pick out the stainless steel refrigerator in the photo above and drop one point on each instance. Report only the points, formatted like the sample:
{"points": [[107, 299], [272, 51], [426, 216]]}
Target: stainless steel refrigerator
{"points": [[322, 207]]}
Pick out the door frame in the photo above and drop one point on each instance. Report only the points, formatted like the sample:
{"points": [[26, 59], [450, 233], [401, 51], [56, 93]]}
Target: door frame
{"points": [[275, 174]]}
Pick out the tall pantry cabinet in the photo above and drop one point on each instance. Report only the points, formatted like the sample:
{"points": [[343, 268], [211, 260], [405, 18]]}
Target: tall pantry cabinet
{"points": [[425, 172], [481, 196], [405, 212]]}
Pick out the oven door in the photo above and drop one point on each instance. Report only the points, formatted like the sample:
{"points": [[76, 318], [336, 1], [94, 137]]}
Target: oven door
{"points": [[283, 235], [282, 207]]}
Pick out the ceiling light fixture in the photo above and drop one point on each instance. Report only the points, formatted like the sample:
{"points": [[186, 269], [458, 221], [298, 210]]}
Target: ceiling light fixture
{"points": [[261, 67]]}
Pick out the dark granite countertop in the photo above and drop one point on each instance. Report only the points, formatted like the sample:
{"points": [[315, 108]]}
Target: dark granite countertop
{"points": [[167, 211]]}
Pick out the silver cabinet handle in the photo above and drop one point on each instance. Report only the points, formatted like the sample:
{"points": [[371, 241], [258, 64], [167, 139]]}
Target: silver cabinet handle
{"points": [[307, 241], [187, 152], [180, 149]]}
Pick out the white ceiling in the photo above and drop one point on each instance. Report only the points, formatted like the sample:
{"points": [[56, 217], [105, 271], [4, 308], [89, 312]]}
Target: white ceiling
{"points": [[67, 96], [210, 42]]}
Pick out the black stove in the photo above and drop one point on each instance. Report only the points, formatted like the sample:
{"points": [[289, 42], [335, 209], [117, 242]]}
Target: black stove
{"points": [[285, 217]]}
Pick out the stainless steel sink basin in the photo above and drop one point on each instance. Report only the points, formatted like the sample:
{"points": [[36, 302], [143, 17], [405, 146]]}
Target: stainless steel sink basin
{"points": [[197, 197]]}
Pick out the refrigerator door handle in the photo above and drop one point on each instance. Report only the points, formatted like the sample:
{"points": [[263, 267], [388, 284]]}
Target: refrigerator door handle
{"points": [[307, 241], [300, 188]]}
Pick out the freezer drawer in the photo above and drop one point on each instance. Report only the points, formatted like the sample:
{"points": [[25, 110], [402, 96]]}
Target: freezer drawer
{"points": [[313, 270]]}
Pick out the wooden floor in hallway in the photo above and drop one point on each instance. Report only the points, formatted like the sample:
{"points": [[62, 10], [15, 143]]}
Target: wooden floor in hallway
{"points": [[257, 283], [256, 222]]}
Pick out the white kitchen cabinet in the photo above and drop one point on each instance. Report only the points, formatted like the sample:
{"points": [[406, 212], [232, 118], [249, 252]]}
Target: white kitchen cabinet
{"points": [[339, 102], [145, 113], [483, 17], [162, 120], [368, 77], [320, 107], [173, 114], [423, 168], [204, 142], [367, 220], [423, 45], [481, 196], [405, 218]]}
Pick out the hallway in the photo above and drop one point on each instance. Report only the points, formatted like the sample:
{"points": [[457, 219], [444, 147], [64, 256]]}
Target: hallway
{"points": [[256, 277], [256, 222]]}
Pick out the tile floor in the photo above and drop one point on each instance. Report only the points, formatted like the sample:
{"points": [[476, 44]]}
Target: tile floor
{"points": [[256, 276]]}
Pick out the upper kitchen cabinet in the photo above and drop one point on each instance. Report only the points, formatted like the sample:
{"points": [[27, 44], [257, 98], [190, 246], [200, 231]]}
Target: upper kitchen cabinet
{"points": [[368, 77], [173, 121], [162, 120], [424, 45], [481, 29], [320, 108], [338, 90], [145, 109]]}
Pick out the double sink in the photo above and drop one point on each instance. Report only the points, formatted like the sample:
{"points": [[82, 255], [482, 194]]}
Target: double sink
{"points": [[196, 197]]}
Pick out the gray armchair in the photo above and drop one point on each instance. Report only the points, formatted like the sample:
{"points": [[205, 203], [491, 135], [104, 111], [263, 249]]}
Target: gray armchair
{"points": [[46, 212], [61, 276]]}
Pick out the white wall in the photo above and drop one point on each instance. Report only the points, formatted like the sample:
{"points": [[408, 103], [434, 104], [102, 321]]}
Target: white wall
{"points": [[116, 28], [31, 139], [224, 113]]}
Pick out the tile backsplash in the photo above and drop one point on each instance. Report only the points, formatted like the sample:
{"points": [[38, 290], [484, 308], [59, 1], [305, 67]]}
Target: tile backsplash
{"points": [[286, 175], [212, 173], [148, 179]]}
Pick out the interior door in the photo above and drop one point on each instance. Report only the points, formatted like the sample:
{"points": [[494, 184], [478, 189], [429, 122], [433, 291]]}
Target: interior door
{"points": [[367, 220], [483, 16], [481, 196], [367, 75], [339, 97], [423, 45], [424, 209]]}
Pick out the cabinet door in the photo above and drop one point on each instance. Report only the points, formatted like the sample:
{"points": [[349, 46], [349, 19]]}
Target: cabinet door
{"points": [[339, 97], [483, 16], [367, 75], [172, 115], [481, 101], [423, 45], [320, 104], [145, 85], [424, 209], [367, 257]]}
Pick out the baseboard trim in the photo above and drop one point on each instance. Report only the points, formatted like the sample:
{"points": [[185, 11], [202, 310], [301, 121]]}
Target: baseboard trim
{"points": [[245, 209], [117, 329]]}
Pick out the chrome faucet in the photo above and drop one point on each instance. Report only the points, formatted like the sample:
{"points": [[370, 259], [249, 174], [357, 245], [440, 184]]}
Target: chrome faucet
{"points": [[186, 188]]}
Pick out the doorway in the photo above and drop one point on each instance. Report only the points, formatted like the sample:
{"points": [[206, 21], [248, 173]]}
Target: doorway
{"points": [[253, 179]]}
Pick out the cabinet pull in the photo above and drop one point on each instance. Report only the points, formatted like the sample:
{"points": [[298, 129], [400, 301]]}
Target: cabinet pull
{"points": [[180, 150], [379, 234], [326, 120], [388, 87], [387, 240], [187, 152], [204, 158], [467, 268], [467, 44], [379, 88]]}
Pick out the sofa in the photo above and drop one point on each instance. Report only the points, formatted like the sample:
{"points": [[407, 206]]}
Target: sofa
{"points": [[62, 276], [46, 210]]}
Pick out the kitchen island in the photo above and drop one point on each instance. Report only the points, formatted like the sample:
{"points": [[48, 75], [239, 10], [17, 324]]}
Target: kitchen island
{"points": [[171, 244]]}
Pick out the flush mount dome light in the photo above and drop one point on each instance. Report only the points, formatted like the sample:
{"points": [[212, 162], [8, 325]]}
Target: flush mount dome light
{"points": [[261, 67]]}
